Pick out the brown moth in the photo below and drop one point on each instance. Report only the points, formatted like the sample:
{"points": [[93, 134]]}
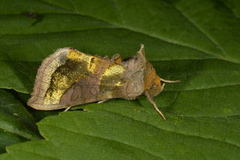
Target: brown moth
{"points": [[69, 77]]}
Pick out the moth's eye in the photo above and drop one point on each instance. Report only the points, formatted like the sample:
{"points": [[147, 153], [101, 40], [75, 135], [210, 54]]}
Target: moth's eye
{"points": [[154, 86]]}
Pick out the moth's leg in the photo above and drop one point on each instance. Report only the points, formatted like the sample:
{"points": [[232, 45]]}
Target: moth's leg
{"points": [[154, 105], [67, 109], [116, 58], [170, 81], [102, 101], [162, 87]]}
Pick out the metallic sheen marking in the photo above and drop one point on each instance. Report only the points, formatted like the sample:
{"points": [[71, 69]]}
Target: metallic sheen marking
{"points": [[75, 68]]}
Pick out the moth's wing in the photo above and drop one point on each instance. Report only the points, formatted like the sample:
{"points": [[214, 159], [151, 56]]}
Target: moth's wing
{"points": [[43, 79], [116, 80], [96, 87], [58, 73], [69, 77]]}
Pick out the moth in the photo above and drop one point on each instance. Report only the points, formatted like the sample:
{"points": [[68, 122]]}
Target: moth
{"points": [[69, 77]]}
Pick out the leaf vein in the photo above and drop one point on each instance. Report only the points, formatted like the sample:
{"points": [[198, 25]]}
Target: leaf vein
{"points": [[103, 138], [184, 134], [200, 29]]}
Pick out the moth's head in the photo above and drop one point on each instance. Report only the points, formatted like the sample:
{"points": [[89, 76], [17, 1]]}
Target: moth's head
{"points": [[152, 81]]}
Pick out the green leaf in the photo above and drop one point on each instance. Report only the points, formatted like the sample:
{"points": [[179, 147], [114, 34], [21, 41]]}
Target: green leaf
{"points": [[16, 123], [124, 130], [195, 41]]}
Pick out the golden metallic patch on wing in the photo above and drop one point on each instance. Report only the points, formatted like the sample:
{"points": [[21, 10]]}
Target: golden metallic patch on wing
{"points": [[111, 80], [43, 77], [75, 68], [96, 64], [75, 55], [92, 61], [113, 70], [92, 64]]}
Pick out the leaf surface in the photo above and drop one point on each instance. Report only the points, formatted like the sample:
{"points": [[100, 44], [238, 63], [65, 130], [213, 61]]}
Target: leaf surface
{"points": [[195, 41], [16, 123]]}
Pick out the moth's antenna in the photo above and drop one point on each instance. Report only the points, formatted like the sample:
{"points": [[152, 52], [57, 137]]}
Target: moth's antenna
{"points": [[154, 105], [170, 81]]}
